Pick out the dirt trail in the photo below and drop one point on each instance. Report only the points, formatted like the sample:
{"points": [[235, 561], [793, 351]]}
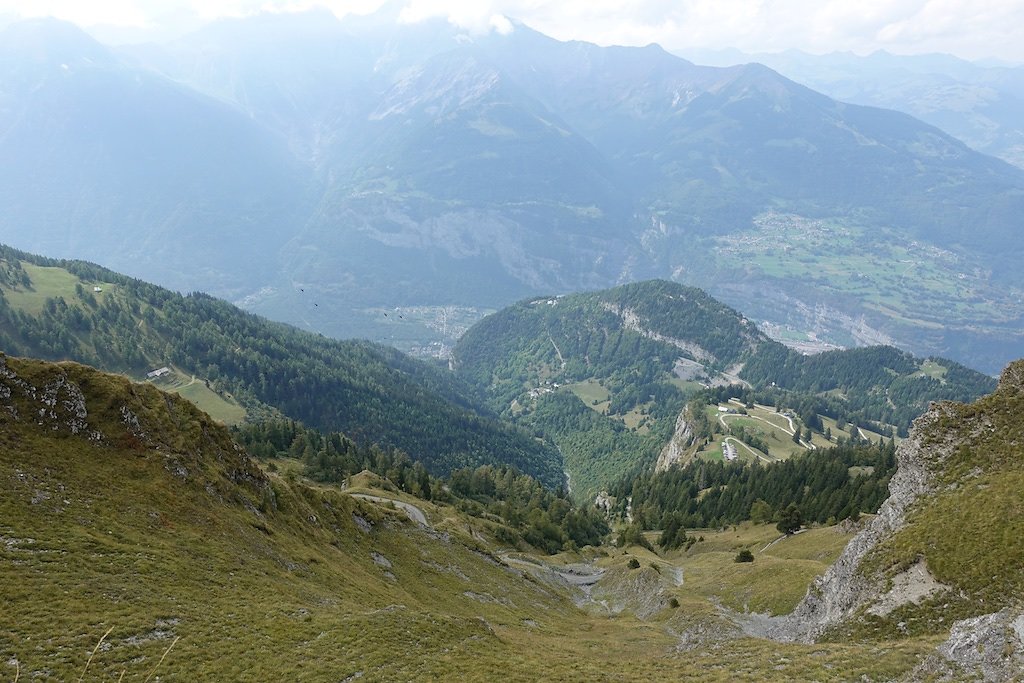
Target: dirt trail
{"points": [[781, 538], [577, 574], [792, 430], [579, 578], [415, 514]]}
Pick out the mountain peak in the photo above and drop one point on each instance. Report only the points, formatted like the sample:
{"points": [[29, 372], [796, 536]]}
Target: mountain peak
{"points": [[1011, 381]]}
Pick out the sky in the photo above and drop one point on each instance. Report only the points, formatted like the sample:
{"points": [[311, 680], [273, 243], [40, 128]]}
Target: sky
{"points": [[971, 29]]}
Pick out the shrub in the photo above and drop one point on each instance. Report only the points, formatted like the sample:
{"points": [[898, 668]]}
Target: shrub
{"points": [[790, 520], [744, 556], [633, 535], [634, 563]]}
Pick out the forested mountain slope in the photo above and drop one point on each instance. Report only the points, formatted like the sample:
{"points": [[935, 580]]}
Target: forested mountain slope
{"points": [[49, 309], [881, 383], [607, 373], [599, 334]]}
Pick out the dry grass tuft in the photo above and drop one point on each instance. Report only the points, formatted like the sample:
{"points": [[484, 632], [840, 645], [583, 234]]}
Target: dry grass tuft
{"points": [[162, 657], [94, 651]]}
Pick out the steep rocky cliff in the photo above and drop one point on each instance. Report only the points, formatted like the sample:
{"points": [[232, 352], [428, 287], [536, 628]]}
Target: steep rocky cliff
{"points": [[935, 558], [677, 450], [844, 588]]}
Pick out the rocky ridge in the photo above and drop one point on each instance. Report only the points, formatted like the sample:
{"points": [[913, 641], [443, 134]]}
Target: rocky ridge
{"points": [[990, 645], [844, 589], [75, 401], [632, 322], [677, 448]]}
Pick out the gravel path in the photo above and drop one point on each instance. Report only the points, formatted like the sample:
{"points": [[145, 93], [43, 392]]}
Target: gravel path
{"points": [[415, 514]]}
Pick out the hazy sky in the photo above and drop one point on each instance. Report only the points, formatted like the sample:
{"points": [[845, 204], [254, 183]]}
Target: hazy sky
{"points": [[972, 29]]}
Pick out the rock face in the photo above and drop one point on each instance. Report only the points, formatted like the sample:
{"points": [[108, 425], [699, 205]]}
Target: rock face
{"points": [[71, 400], [631, 321], [57, 404], [910, 586], [843, 589], [676, 450], [990, 646], [637, 591]]}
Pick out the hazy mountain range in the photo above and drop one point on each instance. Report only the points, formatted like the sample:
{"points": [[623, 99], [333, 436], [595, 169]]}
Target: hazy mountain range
{"points": [[327, 172], [980, 104]]}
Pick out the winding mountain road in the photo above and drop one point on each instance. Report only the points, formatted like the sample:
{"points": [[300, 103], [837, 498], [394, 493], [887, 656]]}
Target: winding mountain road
{"points": [[792, 427]]}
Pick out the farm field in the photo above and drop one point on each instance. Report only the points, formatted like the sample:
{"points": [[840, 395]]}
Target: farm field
{"points": [[907, 282], [221, 408], [50, 282], [592, 394]]}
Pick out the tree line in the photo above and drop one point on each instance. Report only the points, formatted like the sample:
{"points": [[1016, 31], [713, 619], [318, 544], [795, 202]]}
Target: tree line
{"points": [[372, 393], [526, 510], [826, 485]]}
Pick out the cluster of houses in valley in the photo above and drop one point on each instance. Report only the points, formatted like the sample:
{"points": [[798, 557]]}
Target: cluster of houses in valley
{"points": [[546, 388]]}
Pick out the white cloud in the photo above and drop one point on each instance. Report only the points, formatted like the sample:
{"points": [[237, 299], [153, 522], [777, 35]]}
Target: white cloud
{"points": [[475, 17], [501, 24], [117, 12]]}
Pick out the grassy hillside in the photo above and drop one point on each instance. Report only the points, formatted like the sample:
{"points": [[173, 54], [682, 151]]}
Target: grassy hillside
{"points": [[971, 525], [73, 310], [161, 529], [139, 542]]}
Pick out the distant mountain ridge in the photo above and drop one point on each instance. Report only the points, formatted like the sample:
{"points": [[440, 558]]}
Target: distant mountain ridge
{"points": [[979, 104], [387, 165], [107, 159]]}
